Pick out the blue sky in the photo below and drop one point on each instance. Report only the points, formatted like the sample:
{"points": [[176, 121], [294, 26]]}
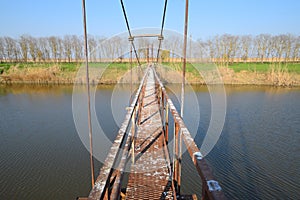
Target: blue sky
{"points": [[105, 18]]}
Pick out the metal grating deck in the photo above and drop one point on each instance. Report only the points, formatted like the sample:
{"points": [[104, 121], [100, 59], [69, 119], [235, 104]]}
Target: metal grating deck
{"points": [[149, 177]]}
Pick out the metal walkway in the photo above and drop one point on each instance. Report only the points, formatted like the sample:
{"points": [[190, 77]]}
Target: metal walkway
{"points": [[150, 174], [141, 149]]}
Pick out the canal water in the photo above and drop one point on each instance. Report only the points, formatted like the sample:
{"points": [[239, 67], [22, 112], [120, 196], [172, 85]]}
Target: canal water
{"points": [[256, 157]]}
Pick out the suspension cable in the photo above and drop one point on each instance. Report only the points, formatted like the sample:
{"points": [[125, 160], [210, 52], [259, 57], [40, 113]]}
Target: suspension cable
{"points": [[131, 94], [184, 55], [88, 92], [129, 32], [162, 29]]}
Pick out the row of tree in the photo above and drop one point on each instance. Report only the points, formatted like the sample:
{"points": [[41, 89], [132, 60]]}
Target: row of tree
{"points": [[262, 48], [28, 48], [223, 49]]}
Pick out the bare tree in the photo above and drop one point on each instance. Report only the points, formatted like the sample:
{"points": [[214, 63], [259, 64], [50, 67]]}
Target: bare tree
{"points": [[295, 52], [110, 48], [32, 43], [227, 48], [100, 47], [78, 47], [23, 42], [279, 46], [211, 49], [174, 44], [67, 43], [262, 42], [44, 49], [92, 44], [245, 47], [39, 53], [12, 49], [288, 47], [222, 50], [201, 49], [2, 50], [54, 47], [60, 50]]}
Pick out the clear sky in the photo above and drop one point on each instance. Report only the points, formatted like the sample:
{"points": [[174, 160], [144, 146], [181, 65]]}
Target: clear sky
{"points": [[105, 18]]}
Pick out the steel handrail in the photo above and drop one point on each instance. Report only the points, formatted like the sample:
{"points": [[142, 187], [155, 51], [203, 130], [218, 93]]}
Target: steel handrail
{"points": [[210, 187], [102, 183]]}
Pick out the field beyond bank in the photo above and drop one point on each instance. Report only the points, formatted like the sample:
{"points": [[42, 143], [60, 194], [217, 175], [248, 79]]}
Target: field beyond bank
{"points": [[275, 74]]}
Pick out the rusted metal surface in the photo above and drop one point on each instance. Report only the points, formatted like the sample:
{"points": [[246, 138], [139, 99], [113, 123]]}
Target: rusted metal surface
{"points": [[175, 148], [145, 35], [150, 175], [103, 181], [167, 123], [210, 187]]}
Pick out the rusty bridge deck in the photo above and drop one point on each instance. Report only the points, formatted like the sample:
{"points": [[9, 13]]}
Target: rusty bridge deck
{"points": [[139, 165], [150, 174]]}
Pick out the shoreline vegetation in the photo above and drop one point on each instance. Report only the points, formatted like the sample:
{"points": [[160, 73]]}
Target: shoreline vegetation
{"points": [[262, 59], [238, 73]]}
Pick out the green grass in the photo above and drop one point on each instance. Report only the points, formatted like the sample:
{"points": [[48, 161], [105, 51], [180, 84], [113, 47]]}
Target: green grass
{"points": [[67, 67], [119, 66], [64, 66], [178, 66], [264, 67], [4, 67], [237, 67], [71, 67]]}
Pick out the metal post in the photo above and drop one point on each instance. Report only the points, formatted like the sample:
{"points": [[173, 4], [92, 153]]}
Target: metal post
{"points": [[131, 96], [162, 107], [158, 93], [133, 135], [177, 154], [179, 161], [204, 192], [152, 53], [184, 55], [174, 154], [148, 54], [167, 123], [182, 89], [88, 92], [176, 163], [141, 104]]}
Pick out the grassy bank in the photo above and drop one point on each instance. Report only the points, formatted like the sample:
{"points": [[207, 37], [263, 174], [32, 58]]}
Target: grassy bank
{"points": [[238, 67], [275, 74], [60, 73], [279, 74], [264, 67]]}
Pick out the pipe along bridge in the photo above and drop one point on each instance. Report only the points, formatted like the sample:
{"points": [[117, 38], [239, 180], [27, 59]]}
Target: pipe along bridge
{"points": [[139, 165]]}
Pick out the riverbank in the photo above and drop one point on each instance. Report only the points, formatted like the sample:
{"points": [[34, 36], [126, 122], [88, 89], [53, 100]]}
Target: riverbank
{"points": [[273, 74]]}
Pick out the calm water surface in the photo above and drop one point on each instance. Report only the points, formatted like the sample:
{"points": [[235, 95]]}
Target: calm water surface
{"points": [[256, 157]]}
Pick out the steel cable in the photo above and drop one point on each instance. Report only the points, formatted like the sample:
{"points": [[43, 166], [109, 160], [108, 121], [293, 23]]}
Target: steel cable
{"points": [[129, 32], [162, 29]]}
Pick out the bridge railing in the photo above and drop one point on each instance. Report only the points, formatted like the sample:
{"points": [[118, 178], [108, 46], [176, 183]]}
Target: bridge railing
{"points": [[108, 183], [211, 189]]}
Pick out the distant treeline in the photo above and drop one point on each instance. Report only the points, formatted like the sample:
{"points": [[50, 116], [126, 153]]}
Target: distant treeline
{"points": [[222, 49]]}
